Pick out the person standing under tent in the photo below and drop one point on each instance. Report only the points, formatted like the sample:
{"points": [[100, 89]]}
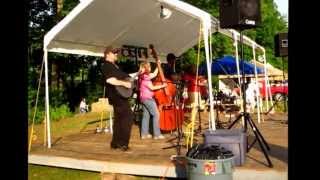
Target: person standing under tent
{"points": [[169, 69], [195, 87], [123, 114], [149, 104], [250, 96], [173, 75]]}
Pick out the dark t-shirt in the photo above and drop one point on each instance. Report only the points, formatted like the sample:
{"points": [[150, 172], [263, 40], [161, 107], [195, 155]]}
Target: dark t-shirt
{"points": [[110, 70], [167, 71]]}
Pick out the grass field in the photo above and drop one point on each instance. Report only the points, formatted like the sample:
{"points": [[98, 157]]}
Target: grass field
{"points": [[36, 172], [63, 127], [75, 124]]}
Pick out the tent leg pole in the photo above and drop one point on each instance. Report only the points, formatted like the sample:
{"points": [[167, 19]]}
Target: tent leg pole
{"points": [[47, 97]]}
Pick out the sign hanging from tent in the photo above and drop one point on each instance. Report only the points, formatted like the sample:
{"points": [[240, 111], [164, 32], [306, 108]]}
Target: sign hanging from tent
{"points": [[134, 51]]}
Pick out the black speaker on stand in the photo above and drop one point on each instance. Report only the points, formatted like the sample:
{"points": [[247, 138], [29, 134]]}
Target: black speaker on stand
{"points": [[241, 15], [281, 44], [281, 50]]}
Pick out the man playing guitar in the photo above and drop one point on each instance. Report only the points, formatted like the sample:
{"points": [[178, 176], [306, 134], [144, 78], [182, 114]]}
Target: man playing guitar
{"points": [[122, 112]]}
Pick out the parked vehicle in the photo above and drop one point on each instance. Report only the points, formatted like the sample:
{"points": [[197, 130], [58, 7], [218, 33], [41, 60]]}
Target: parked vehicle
{"points": [[279, 89]]}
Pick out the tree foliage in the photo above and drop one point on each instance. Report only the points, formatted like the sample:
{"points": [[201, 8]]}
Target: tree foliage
{"points": [[271, 24]]}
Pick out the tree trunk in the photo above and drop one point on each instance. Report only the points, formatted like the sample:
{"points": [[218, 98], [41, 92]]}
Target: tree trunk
{"points": [[50, 73], [59, 7], [58, 74]]}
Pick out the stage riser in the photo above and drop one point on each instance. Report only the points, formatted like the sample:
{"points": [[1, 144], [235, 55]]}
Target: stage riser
{"points": [[169, 171]]}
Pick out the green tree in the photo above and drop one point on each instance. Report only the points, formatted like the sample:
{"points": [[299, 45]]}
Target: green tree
{"points": [[271, 23]]}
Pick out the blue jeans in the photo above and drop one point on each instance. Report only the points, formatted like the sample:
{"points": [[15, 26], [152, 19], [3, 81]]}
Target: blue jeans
{"points": [[150, 108]]}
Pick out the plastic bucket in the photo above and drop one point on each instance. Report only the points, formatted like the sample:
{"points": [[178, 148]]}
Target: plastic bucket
{"points": [[219, 169]]}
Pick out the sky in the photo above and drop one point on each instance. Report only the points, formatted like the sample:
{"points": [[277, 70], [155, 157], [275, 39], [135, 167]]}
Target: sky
{"points": [[282, 6]]}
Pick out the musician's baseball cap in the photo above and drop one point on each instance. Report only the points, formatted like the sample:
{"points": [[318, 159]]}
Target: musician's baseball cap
{"points": [[111, 49]]}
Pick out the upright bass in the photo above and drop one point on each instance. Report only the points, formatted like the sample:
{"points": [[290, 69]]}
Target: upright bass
{"points": [[165, 99]]}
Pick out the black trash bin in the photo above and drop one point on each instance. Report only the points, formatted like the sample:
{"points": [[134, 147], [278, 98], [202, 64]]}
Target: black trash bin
{"points": [[206, 163]]}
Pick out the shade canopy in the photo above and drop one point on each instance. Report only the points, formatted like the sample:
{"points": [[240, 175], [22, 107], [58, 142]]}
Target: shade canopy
{"points": [[227, 66], [94, 24]]}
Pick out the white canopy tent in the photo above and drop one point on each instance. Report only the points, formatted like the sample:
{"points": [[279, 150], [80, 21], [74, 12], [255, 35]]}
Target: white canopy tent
{"points": [[94, 24]]}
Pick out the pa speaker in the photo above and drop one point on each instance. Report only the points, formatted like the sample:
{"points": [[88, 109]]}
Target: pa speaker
{"points": [[239, 14], [281, 44]]}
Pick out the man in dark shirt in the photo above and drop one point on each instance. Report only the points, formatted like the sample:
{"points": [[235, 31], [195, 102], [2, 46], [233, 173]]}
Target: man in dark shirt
{"points": [[169, 69], [122, 112]]}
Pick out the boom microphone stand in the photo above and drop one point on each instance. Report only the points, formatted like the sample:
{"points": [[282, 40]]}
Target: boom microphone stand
{"points": [[247, 119], [199, 108]]}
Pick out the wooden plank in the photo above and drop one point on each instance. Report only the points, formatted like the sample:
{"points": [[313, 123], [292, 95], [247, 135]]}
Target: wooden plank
{"points": [[170, 170], [146, 170]]}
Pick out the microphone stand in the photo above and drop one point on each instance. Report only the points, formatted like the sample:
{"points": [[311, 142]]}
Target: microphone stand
{"points": [[178, 119]]}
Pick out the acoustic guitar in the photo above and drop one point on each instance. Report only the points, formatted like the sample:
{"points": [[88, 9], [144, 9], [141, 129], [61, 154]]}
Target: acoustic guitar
{"points": [[126, 92]]}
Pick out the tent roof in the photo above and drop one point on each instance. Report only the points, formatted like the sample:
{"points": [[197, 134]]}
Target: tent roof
{"points": [[227, 66], [272, 71], [94, 24]]}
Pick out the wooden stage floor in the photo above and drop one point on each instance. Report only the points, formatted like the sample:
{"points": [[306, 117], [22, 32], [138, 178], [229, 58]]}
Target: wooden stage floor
{"points": [[90, 151]]}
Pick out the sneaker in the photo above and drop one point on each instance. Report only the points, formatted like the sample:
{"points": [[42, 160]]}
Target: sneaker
{"points": [[114, 147], [159, 137], [146, 136], [122, 148], [126, 149]]}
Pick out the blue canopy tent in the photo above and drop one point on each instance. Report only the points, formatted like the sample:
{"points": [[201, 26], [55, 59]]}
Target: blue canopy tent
{"points": [[227, 65]]}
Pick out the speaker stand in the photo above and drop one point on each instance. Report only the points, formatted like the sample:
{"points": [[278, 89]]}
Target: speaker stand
{"points": [[258, 136], [247, 119]]}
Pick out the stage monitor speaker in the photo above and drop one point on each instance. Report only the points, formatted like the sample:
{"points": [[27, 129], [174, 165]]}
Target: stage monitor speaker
{"points": [[239, 14], [281, 44]]}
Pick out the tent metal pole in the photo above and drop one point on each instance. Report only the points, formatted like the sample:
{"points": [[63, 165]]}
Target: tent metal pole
{"points": [[268, 88], [265, 80], [47, 96], [210, 60], [269, 91], [243, 77], [205, 29], [256, 82], [235, 37], [283, 82]]}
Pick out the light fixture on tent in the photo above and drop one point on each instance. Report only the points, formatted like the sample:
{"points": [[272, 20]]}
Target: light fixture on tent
{"points": [[165, 13]]}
